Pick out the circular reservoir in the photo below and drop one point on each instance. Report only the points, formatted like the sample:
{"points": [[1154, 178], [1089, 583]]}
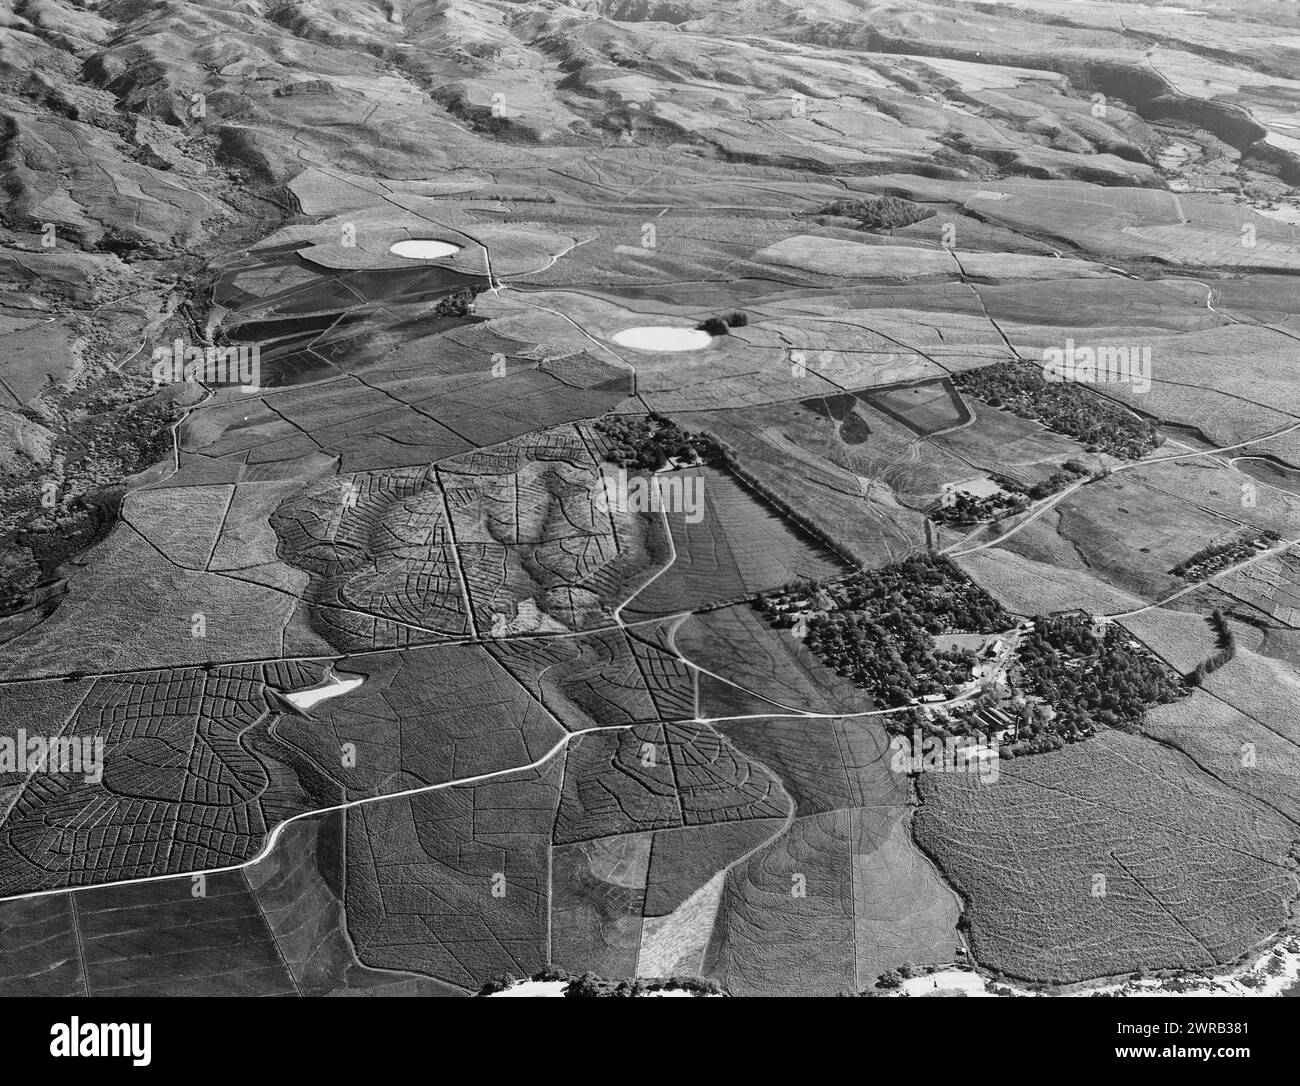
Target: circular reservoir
{"points": [[661, 338], [423, 249]]}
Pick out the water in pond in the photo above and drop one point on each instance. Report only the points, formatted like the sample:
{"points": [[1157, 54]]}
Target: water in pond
{"points": [[423, 249], [661, 338], [305, 699]]}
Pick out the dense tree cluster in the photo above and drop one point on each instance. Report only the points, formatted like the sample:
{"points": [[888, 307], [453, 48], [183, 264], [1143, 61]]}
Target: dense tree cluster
{"points": [[1220, 556], [881, 213], [961, 509], [1063, 406], [650, 441], [719, 326], [1091, 678], [930, 585], [892, 656], [877, 626], [1070, 677], [459, 303], [1070, 681]]}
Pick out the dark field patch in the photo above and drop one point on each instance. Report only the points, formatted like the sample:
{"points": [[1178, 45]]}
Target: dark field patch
{"points": [[924, 408], [682, 860], [148, 940], [598, 897], [736, 549], [38, 948], [785, 922], [453, 883], [298, 888], [736, 643], [841, 410], [825, 764]]}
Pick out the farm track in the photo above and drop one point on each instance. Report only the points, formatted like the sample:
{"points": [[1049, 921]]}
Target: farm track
{"points": [[1050, 502]]}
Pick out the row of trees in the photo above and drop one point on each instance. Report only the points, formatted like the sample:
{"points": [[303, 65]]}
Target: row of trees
{"points": [[1226, 645], [893, 978]]}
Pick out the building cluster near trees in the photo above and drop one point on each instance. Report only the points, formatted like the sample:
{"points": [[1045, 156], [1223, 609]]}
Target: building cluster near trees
{"points": [[877, 626], [1220, 556], [1092, 675], [960, 508], [1048, 681], [652, 442]]}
